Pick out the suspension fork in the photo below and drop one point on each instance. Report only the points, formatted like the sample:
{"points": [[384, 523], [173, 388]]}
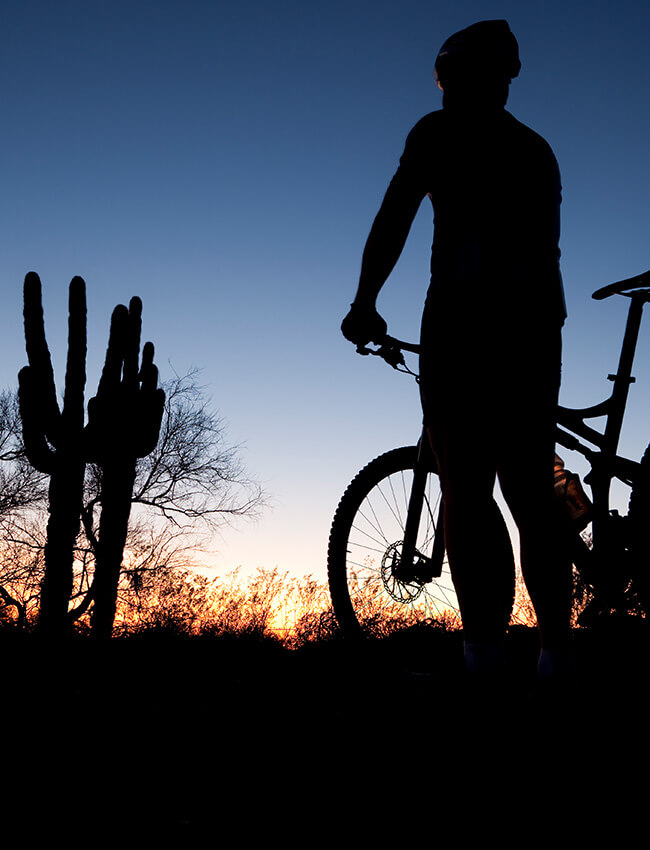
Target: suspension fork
{"points": [[423, 467]]}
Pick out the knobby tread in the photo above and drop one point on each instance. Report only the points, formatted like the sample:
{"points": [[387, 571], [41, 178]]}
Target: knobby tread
{"points": [[638, 517], [375, 471]]}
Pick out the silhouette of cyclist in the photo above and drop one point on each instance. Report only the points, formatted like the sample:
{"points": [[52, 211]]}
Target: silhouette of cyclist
{"points": [[490, 358]]}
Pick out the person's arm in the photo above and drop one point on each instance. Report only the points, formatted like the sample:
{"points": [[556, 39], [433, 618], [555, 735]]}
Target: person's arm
{"points": [[383, 247], [387, 238]]}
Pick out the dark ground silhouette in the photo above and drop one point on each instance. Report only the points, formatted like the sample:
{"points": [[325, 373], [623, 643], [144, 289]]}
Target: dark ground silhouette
{"points": [[169, 736]]}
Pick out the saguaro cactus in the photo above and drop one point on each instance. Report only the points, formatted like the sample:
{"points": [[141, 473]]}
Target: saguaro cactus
{"points": [[53, 438], [123, 425]]}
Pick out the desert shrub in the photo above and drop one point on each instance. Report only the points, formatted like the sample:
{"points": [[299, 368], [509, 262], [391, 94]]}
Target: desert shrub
{"points": [[265, 604]]}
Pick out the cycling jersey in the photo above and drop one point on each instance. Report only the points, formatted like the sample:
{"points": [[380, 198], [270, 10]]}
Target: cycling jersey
{"points": [[495, 189]]}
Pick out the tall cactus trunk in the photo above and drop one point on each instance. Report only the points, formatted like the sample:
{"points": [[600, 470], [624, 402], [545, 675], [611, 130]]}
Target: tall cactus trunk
{"points": [[116, 494], [65, 493], [123, 425], [53, 440]]}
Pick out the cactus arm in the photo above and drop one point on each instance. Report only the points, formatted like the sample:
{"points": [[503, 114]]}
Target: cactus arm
{"points": [[38, 355], [148, 370], [102, 412], [38, 452], [151, 404], [132, 344], [75, 374], [112, 370]]}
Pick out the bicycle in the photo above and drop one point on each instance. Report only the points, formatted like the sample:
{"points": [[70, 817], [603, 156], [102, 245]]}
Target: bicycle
{"points": [[387, 566]]}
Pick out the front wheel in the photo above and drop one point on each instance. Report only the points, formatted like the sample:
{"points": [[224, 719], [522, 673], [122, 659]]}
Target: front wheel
{"points": [[370, 591]]}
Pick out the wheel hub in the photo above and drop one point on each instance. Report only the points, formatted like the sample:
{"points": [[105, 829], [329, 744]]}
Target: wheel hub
{"points": [[401, 582]]}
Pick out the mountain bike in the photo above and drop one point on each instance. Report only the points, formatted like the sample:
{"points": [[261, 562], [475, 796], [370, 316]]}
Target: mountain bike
{"points": [[387, 566]]}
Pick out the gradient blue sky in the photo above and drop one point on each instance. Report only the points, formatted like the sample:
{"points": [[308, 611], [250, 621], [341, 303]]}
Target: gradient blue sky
{"points": [[224, 160]]}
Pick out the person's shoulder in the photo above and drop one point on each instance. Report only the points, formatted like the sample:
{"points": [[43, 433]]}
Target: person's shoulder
{"points": [[428, 123], [422, 133], [532, 137]]}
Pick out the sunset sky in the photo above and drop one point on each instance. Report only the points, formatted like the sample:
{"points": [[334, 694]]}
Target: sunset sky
{"points": [[224, 160]]}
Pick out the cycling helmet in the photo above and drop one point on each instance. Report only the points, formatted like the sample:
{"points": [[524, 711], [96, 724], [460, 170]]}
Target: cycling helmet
{"points": [[487, 48]]}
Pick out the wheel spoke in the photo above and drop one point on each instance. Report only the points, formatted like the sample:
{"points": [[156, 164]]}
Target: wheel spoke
{"points": [[394, 512], [375, 523], [365, 547]]}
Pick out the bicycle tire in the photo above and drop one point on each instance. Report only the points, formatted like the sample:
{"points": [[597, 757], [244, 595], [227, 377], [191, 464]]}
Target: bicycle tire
{"points": [[638, 540], [365, 532], [619, 582]]}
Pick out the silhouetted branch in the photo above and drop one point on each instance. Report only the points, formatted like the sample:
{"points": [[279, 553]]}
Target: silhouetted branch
{"points": [[21, 486], [192, 474]]}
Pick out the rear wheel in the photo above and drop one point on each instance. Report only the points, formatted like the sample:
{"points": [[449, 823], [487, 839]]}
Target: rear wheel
{"points": [[615, 576], [369, 591], [638, 536]]}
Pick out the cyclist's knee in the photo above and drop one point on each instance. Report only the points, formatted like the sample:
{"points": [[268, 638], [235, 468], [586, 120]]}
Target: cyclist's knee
{"points": [[468, 505]]}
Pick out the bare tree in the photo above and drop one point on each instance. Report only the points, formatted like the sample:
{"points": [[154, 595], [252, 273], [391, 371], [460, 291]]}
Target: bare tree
{"points": [[21, 486], [23, 494], [192, 474], [189, 485], [22, 563]]}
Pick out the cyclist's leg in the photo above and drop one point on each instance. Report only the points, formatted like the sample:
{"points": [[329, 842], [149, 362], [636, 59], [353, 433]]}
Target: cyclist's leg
{"points": [[525, 471], [545, 566], [476, 537], [454, 398]]}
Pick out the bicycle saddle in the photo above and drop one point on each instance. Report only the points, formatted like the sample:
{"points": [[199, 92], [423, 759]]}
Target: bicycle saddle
{"points": [[640, 281]]}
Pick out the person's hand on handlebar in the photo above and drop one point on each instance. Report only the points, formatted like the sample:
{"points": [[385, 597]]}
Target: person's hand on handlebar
{"points": [[363, 324]]}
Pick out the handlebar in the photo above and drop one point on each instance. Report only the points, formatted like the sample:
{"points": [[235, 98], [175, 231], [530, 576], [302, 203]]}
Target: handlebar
{"points": [[390, 350], [390, 342]]}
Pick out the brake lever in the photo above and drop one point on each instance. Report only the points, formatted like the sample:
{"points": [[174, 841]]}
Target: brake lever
{"points": [[389, 353], [392, 356]]}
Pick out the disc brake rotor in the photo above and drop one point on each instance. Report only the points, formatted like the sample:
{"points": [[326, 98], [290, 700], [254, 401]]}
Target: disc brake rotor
{"points": [[397, 588]]}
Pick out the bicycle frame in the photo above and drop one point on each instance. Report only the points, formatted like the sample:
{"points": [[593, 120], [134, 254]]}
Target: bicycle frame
{"points": [[606, 464]]}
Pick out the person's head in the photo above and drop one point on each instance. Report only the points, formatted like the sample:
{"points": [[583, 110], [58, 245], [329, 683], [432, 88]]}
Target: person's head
{"points": [[478, 63]]}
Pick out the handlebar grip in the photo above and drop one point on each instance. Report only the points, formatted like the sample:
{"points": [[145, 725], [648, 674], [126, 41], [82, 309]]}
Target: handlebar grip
{"points": [[398, 343]]}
